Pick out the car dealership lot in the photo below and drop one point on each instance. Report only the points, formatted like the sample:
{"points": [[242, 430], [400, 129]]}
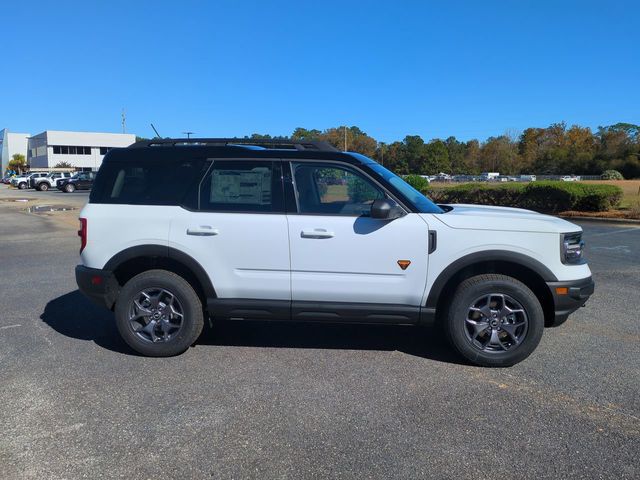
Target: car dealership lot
{"points": [[256, 400]]}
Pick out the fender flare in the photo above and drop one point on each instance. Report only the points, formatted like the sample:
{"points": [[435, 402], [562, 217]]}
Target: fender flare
{"points": [[482, 257], [163, 251]]}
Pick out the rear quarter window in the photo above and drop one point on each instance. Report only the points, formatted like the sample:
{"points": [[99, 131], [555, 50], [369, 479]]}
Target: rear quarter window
{"points": [[148, 182]]}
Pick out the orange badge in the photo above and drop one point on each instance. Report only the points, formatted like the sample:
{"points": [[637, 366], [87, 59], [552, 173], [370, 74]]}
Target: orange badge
{"points": [[404, 264]]}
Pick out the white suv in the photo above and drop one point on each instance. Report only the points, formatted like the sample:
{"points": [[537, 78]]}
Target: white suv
{"points": [[176, 230], [50, 181]]}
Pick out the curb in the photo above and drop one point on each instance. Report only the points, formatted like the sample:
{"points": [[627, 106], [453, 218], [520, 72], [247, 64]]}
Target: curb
{"points": [[602, 220]]}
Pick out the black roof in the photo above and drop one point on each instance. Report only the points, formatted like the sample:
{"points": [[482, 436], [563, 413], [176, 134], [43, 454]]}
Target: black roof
{"points": [[165, 149]]}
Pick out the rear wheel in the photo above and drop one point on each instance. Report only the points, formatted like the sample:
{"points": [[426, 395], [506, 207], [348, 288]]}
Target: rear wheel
{"points": [[158, 314], [494, 320], [69, 188], [43, 187]]}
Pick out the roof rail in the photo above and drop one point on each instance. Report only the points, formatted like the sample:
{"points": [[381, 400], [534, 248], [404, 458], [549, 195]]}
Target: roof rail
{"points": [[230, 142]]}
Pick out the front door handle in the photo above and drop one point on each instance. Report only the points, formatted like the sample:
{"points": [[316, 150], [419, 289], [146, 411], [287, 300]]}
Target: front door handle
{"points": [[202, 231], [317, 233]]}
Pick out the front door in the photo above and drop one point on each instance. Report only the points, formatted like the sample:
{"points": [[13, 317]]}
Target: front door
{"points": [[339, 253]]}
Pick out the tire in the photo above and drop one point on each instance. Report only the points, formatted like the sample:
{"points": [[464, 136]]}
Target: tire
{"points": [[22, 185], [69, 188], [480, 328], [140, 334], [43, 187]]}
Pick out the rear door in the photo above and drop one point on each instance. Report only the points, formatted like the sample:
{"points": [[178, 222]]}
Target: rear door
{"points": [[237, 230]]}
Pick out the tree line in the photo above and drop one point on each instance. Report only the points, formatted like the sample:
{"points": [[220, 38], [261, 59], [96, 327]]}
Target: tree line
{"points": [[557, 149]]}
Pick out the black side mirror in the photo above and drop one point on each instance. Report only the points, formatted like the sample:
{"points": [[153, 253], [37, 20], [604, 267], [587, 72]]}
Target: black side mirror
{"points": [[385, 209]]}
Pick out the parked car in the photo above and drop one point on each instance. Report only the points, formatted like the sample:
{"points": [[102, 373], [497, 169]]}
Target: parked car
{"points": [[79, 181], [49, 181], [256, 234], [568, 178], [7, 179], [23, 181], [442, 177], [489, 176]]}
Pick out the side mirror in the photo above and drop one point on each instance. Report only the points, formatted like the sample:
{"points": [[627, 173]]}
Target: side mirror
{"points": [[385, 209]]}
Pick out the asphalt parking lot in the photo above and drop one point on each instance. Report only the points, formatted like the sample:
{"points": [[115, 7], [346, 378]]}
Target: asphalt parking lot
{"points": [[255, 400]]}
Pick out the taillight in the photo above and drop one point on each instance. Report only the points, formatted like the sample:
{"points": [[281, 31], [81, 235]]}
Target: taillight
{"points": [[82, 233]]}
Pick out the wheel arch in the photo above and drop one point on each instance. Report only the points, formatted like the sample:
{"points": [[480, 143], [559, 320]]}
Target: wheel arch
{"points": [[527, 270], [134, 260]]}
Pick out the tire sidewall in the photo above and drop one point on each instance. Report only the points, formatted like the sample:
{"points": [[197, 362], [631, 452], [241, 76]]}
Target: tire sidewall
{"points": [[184, 293], [470, 291], [69, 188]]}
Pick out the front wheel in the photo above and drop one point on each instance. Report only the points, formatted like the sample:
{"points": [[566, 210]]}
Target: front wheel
{"points": [[494, 320], [22, 185], [69, 188], [158, 314]]}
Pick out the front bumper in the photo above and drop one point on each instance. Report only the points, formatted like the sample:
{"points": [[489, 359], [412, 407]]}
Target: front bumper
{"points": [[100, 286], [568, 296]]}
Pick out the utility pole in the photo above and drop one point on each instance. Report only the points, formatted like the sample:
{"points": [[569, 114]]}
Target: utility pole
{"points": [[345, 138], [124, 121], [188, 134]]}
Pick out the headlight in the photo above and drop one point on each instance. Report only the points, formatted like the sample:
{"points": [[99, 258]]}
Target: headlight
{"points": [[572, 248]]}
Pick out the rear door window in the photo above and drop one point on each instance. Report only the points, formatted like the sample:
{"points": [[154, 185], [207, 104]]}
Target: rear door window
{"points": [[242, 186]]}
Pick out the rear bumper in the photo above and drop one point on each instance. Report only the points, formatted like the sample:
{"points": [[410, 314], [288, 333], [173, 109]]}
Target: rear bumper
{"points": [[568, 296], [100, 286]]}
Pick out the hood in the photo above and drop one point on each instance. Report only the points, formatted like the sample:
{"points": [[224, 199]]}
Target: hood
{"points": [[484, 217]]}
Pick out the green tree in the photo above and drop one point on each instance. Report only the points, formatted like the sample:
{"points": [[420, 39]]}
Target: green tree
{"points": [[63, 165], [499, 154], [395, 158], [457, 155], [419, 183], [304, 134], [436, 158], [17, 163], [415, 154], [472, 157]]}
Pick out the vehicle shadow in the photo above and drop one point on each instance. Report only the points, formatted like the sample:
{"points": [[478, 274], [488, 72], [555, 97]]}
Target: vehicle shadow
{"points": [[75, 316]]}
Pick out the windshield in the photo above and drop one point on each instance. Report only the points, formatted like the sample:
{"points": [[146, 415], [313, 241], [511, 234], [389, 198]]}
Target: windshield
{"points": [[423, 204]]}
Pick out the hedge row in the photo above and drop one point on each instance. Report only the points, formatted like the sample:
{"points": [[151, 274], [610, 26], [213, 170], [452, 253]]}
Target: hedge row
{"points": [[540, 196]]}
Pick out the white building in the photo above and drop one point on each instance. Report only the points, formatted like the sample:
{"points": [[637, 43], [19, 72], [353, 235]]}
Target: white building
{"points": [[80, 149], [10, 144]]}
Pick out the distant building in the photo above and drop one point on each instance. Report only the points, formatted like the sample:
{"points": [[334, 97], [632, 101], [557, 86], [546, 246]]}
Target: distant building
{"points": [[10, 144], [83, 150]]}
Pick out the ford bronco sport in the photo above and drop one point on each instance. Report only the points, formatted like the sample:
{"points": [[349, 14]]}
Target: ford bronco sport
{"points": [[176, 230]]}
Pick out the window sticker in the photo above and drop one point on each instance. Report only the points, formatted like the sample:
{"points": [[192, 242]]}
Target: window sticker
{"points": [[251, 187]]}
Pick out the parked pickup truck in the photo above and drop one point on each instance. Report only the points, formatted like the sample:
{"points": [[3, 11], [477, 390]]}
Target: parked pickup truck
{"points": [[23, 181], [50, 181]]}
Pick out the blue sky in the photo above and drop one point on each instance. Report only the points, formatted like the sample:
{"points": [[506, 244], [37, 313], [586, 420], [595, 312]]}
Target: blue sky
{"points": [[470, 69]]}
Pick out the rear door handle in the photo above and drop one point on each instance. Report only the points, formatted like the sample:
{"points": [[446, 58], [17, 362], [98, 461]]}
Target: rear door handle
{"points": [[202, 231], [317, 233]]}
